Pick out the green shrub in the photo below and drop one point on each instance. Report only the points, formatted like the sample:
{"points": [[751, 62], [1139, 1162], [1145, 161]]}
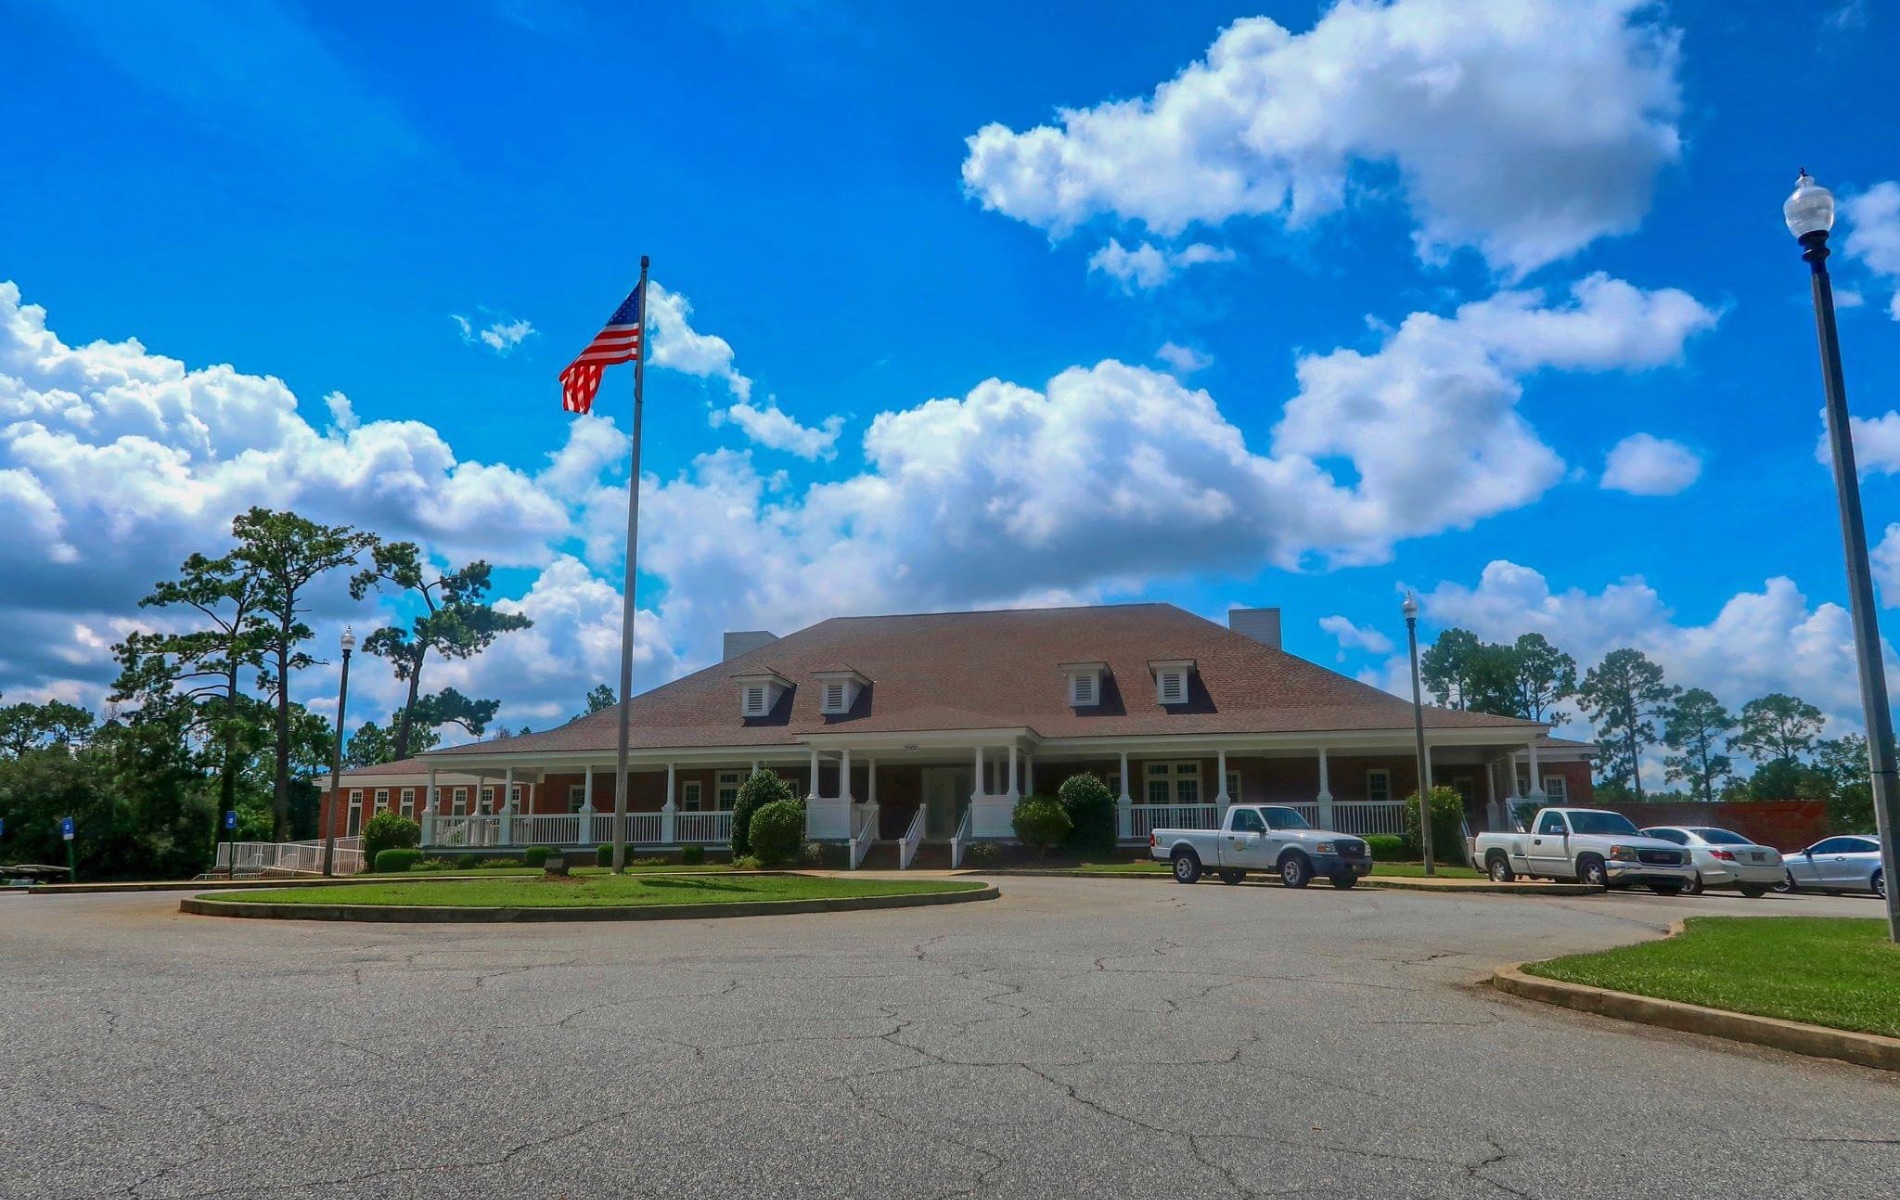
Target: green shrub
{"points": [[434, 864], [389, 831], [397, 859], [692, 856], [763, 788], [777, 831], [1387, 847], [983, 854], [815, 854], [1091, 809], [536, 856], [498, 862], [1448, 834], [745, 862], [1041, 825], [604, 856]]}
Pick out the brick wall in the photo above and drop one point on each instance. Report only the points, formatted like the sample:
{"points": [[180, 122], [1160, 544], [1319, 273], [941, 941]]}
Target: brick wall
{"points": [[1784, 824]]}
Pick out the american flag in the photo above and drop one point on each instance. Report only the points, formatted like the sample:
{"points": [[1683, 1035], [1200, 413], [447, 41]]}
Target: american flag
{"points": [[617, 343]]}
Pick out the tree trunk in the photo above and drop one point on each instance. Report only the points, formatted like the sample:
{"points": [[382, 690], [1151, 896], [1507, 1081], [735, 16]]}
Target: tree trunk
{"points": [[227, 786], [409, 705], [280, 800], [1636, 759]]}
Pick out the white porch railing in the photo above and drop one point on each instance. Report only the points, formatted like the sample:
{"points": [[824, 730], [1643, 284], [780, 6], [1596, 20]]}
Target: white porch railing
{"points": [[548, 829], [863, 835], [1144, 819], [913, 837], [1309, 811], [960, 841], [1365, 817], [703, 828], [305, 856], [467, 831]]}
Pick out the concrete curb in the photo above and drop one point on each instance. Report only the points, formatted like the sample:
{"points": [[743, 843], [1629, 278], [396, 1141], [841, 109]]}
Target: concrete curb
{"points": [[213, 885], [403, 913], [1796, 1037]]}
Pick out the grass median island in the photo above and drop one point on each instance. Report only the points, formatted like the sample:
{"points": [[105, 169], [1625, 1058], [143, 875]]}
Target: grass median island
{"points": [[1841, 972], [1416, 870], [599, 891]]}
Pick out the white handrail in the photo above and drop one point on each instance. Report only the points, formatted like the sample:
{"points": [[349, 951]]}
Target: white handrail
{"points": [[913, 837], [866, 834], [960, 840]]}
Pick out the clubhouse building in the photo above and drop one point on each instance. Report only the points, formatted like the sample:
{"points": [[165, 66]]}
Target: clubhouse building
{"points": [[928, 729]]}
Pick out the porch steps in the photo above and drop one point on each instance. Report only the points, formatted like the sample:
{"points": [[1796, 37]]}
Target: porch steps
{"points": [[930, 855]]}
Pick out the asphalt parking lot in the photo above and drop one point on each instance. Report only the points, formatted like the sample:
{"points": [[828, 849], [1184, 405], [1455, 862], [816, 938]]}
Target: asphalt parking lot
{"points": [[1075, 1038]]}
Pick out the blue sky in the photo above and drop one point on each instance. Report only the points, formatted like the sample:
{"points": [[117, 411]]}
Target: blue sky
{"points": [[1534, 228]]}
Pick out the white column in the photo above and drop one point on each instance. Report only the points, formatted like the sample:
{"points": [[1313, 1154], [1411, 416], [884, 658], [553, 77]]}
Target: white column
{"points": [[1537, 782], [508, 808], [1325, 793], [844, 777], [1220, 768], [813, 794], [1015, 778], [1124, 816], [669, 812], [755, 766], [586, 835], [1492, 810], [428, 811], [1029, 773], [870, 771], [982, 786]]}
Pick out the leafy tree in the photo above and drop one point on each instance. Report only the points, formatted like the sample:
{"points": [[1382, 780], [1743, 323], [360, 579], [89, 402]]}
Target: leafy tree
{"points": [[1040, 825], [457, 621], [449, 707], [763, 788], [600, 697], [372, 743], [1777, 727], [1091, 809], [1694, 726], [26, 726], [1448, 830], [776, 831], [1786, 779], [1622, 694], [205, 663], [1543, 676], [1843, 763], [1445, 668], [285, 553]]}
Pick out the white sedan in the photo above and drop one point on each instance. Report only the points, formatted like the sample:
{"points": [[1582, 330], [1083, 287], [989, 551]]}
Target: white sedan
{"points": [[1848, 863], [1724, 858]]}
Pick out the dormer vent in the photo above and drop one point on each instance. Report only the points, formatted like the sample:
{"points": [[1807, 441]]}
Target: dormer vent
{"points": [[838, 690], [759, 693], [1085, 683], [1171, 680]]}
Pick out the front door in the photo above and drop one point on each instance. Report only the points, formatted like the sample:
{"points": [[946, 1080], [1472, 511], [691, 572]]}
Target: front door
{"points": [[947, 792]]}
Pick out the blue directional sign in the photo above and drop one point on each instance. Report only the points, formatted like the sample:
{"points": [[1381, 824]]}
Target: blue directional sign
{"points": [[3, 827], [230, 818], [66, 828]]}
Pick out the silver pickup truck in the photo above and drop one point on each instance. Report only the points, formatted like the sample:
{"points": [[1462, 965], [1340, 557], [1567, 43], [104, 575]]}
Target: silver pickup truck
{"points": [[1262, 837], [1587, 845]]}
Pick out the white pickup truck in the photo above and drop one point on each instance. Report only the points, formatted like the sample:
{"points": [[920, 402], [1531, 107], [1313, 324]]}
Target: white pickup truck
{"points": [[1263, 837], [1586, 845]]}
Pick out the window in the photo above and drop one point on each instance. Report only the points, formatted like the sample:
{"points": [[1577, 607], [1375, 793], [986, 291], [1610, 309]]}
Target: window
{"points": [[488, 799], [1233, 786], [727, 794], [1284, 818], [1246, 820], [1379, 784], [755, 705], [1556, 789], [1553, 823], [1668, 835], [458, 802], [689, 795], [576, 797], [1173, 782], [408, 802], [514, 795], [356, 814], [1843, 845]]}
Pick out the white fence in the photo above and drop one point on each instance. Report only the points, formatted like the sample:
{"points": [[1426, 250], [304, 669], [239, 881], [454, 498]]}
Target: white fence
{"points": [[703, 828], [1365, 817], [304, 856], [575, 829]]}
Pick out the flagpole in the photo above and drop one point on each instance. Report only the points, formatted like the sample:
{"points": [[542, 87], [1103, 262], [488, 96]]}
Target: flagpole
{"points": [[627, 605]]}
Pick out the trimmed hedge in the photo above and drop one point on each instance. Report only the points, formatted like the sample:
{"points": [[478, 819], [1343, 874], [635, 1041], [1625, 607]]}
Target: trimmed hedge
{"points": [[1388, 847], [536, 856], [1448, 834], [763, 788], [397, 858], [692, 856], [1091, 809], [1041, 824], [777, 832], [389, 831]]}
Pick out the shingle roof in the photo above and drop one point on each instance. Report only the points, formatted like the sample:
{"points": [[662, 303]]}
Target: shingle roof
{"points": [[1002, 669]]}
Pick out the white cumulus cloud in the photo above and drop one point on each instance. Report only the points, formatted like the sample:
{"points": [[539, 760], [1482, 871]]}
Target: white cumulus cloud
{"points": [[500, 335], [1352, 637], [772, 428], [1644, 465], [679, 347], [1183, 360], [1873, 219], [1523, 128], [1150, 266]]}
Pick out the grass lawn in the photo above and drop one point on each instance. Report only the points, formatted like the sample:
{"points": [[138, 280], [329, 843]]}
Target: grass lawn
{"points": [[632, 868], [1151, 867], [1835, 971], [1412, 870], [599, 891]]}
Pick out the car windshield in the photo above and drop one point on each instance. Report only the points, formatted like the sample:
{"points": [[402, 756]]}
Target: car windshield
{"points": [[1584, 821], [1284, 818], [1721, 837]]}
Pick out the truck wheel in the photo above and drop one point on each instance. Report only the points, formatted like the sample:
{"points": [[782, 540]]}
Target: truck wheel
{"points": [[1500, 868], [1344, 882], [1754, 891], [1295, 871], [1230, 875], [1590, 870], [1187, 866]]}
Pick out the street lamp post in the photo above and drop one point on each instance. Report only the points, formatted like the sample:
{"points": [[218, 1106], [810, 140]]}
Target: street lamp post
{"points": [[336, 758], [1418, 730], [1810, 214]]}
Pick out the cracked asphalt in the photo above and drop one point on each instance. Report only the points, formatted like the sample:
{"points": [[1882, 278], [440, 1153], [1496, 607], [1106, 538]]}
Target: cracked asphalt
{"points": [[1075, 1038]]}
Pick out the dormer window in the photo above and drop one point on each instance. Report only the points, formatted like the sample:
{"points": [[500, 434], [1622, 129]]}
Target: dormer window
{"points": [[838, 690], [759, 694], [1171, 680], [1085, 683]]}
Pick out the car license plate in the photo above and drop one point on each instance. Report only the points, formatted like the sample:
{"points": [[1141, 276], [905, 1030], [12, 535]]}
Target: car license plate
{"points": [[1757, 856]]}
